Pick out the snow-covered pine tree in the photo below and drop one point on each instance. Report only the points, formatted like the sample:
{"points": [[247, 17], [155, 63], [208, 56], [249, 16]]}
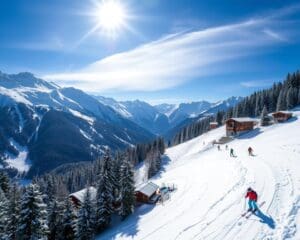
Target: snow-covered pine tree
{"points": [[264, 120], [54, 220], [13, 212], [104, 198], [33, 215], [281, 101], [86, 218], [3, 216], [291, 98], [127, 198], [4, 182], [150, 162], [69, 219], [116, 176]]}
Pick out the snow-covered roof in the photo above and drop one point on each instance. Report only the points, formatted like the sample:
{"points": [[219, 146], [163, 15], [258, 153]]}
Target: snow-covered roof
{"points": [[80, 194], [285, 112], [148, 189], [244, 119]]}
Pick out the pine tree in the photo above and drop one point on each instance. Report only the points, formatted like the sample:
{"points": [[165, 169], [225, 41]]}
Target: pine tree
{"points": [[127, 189], [13, 212], [33, 215], [54, 220], [281, 101], [3, 216], [104, 198], [86, 219], [68, 222], [4, 182], [264, 120]]}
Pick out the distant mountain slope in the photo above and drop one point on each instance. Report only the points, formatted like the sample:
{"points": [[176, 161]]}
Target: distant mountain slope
{"points": [[188, 110], [139, 112], [165, 118], [50, 125], [166, 108], [214, 108]]}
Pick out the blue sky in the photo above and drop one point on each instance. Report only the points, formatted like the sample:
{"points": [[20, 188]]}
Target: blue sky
{"points": [[165, 51]]}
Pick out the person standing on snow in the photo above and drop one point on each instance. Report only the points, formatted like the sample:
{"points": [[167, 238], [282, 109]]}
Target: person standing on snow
{"points": [[252, 196], [231, 152], [250, 151]]}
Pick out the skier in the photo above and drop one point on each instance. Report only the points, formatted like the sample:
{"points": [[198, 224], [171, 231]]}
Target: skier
{"points": [[250, 151], [252, 195], [219, 148], [226, 147], [231, 152]]}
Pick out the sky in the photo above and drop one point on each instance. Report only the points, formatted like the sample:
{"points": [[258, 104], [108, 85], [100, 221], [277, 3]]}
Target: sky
{"points": [[160, 51]]}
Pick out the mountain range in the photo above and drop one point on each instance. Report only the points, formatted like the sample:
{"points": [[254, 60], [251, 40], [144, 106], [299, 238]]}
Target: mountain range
{"points": [[43, 125], [165, 119]]}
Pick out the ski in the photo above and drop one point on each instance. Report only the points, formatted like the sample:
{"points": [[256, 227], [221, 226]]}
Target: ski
{"points": [[247, 214]]}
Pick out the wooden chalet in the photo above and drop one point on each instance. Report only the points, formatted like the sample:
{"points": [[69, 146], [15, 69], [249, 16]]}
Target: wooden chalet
{"points": [[77, 198], [237, 126], [147, 193], [213, 125], [281, 116]]}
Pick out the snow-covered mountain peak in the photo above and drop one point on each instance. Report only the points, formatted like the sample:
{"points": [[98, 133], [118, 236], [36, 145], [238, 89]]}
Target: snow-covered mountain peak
{"points": [[24, 80]]}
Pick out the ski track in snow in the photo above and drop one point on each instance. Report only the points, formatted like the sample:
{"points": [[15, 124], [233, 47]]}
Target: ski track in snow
{"points": [[211, 188]]}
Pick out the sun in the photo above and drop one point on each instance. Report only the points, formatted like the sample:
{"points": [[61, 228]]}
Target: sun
{"points": [[111, 15]]}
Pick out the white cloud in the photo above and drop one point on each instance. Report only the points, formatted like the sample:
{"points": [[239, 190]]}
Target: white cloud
{"points": [[275, 35], [174, 59], [257, 83]]}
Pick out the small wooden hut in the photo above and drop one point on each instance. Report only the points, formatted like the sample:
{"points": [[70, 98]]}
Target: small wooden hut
{"points": [[237, 126], [281, 116], [147, 193], [213, 125]]}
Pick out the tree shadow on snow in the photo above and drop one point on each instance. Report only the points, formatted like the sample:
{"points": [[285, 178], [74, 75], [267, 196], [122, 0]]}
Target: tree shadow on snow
{"points": [[128, 227], [251, 134], [263, 218], [292, 119], [164, 162]]}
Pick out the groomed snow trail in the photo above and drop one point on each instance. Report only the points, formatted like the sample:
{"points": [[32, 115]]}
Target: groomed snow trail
{"points": [[211, 188]]}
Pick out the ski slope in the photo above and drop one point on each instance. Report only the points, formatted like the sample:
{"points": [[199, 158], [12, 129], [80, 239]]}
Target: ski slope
{"points": [[211, 188]]}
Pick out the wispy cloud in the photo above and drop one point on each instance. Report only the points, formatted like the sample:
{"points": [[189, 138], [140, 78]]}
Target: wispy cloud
{"points": [[275, 35], [175, 59], [257, 83]]}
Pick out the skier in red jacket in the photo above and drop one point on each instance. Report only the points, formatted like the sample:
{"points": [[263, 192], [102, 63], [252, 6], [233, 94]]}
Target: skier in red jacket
{"points": [[252, 195]]}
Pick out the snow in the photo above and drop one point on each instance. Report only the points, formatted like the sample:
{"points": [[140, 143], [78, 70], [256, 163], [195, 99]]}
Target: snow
{"points": [[140, 174], [211, 187], [244, 119], [123, 141], [85, 134], [80, 194], [168, 113], [8, 95], [82, 116], [19, 162]]}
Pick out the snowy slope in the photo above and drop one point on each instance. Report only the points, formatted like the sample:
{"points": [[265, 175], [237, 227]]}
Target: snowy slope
{"points": [[211, 188]]}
